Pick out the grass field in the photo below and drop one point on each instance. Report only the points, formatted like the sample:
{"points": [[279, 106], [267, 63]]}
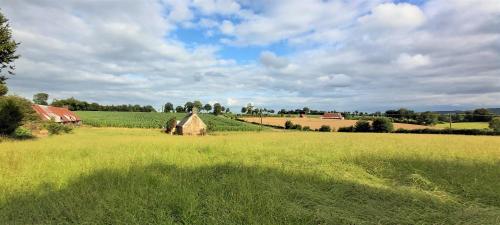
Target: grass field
{"points": [[158, 120], [468, 125], [141, 176], [316, 123]]}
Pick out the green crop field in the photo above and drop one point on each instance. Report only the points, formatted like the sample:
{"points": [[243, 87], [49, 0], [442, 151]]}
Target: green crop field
{"points": [[466, 125], [158, 120], [141, 176]]}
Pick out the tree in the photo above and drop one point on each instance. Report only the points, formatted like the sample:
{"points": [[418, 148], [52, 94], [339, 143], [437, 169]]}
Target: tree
{"points": [[11, 116], [249, 108], [207, 107], [362, 126], [382, 125], [41, 98], [223, 109], [495, 124], [217, 109], [7, 49], [243, 110], [3, 90], [481, 115], [179, 109], [227, 110], [188, 107], [197, 104], [427, 118], [169, 107], [306, 110]]}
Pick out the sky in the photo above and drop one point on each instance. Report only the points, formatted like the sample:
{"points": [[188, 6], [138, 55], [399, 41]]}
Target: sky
{"points": [[342, 55]]}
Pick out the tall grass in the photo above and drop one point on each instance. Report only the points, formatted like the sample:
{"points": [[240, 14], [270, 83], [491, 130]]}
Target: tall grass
{"points": [[138, 176]]}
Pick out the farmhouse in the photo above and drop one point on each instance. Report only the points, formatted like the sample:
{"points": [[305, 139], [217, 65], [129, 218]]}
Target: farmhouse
{"points": [[191, 125], [59, 115], [336, 116]]}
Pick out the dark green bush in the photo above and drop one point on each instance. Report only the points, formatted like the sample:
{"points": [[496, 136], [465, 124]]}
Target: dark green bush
{"points": [[11, 116], [325, 128], [306, 128], [297, 127], [382, 125], [495, 124], [288, 124], [449, 131], [347, 129], [362, 126]]}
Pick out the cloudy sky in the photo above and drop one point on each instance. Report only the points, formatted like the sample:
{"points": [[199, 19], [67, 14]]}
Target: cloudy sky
{"points": [[340, 54]]}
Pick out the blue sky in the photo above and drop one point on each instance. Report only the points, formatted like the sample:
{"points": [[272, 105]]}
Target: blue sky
{"points": [[363, 55]]}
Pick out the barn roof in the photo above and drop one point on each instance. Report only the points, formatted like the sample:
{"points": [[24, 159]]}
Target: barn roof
{"points": [[332, 115], [57, 113]]}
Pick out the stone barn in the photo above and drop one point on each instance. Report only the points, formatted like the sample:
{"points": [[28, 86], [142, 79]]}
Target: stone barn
{"points": [[191, 125]]}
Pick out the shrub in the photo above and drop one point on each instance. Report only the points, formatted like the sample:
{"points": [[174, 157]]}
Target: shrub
{"points": [[347, 129], [297, 127], [170, 125], [382, 125], [362, 126], [449, 131], [306, 128], [325, 128], [3, 89], [495, 124], [22, 133], [288, 124], [11, 116], [57, 128]]}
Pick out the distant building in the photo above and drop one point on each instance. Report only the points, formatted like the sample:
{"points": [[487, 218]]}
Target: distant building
{"points": [[335, 116], [58, 114], [191, 125]]}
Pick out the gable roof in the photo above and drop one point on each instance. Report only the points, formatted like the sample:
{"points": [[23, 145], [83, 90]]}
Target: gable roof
{"points": [[332, 115], [188, 119], [57, 113]]}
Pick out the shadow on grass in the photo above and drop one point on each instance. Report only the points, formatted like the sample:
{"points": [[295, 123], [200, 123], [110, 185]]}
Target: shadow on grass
{"points": [[229, 194]]}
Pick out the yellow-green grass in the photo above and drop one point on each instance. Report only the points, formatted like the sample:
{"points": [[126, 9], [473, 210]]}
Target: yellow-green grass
{"points": [[140, 176], [465, 125]]}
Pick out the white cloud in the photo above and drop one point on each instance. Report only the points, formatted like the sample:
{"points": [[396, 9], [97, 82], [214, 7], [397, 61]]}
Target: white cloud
{"points": [[227, 27], [271, 60], [394, 16], [413, 61]]}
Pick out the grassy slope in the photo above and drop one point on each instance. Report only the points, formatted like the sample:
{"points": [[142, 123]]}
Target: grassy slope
{"points": [[158, 120], [139, 176], [468, 125]]}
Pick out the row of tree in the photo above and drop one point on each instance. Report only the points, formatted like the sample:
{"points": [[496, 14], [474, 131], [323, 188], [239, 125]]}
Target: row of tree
{"points": [[216, 109]]}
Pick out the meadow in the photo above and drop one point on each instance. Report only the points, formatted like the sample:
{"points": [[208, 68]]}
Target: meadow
{"points": [[158, 120], [142, 176], [465, 125], [316, 122]]}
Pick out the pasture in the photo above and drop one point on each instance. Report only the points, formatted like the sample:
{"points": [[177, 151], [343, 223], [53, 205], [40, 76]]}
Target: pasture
{"points": [[316, 123], [465, 125], [158, 120], [141, 176]]}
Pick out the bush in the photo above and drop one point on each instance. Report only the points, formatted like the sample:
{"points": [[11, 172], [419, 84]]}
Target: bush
{"points": [[22, 133], [306, 128], [11, 116], [170, 125], [382, 125], [362, 126], [325, 128], [297, 127], [3, 89], [57, 128], [495, 124], [288, 124], [449, 131], [347, 129]]}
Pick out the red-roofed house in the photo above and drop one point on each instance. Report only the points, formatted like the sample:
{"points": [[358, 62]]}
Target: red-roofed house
{"points": [[59, 115], [336, 116]]}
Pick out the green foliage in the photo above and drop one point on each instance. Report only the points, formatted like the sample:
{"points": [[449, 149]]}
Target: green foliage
{"points": [[495, 124], [3, 90], [57, 128], [288, 124], [197, 104], [362, 126], [41, 98], [306, 128], [11, 116], [179, 109], [188, 107], [77, 105], [169, 107], [22, 133], [382, 125], [325, 128], [297, 127], [450, 131], [7, 49], [217, 109], [428, 118], [158, 120], [171, 123], [482, 115], [346, 129], [207, 107]]}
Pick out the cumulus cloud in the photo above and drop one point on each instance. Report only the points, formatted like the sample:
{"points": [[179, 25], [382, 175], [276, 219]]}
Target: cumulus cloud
{"points": [[343, 55]]}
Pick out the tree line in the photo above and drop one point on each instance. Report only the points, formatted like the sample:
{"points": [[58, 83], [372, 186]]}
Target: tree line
{"points": [[189, 106]]}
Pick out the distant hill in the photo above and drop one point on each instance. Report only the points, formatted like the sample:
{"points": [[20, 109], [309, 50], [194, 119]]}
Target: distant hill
{"points": [[493, 110]]}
